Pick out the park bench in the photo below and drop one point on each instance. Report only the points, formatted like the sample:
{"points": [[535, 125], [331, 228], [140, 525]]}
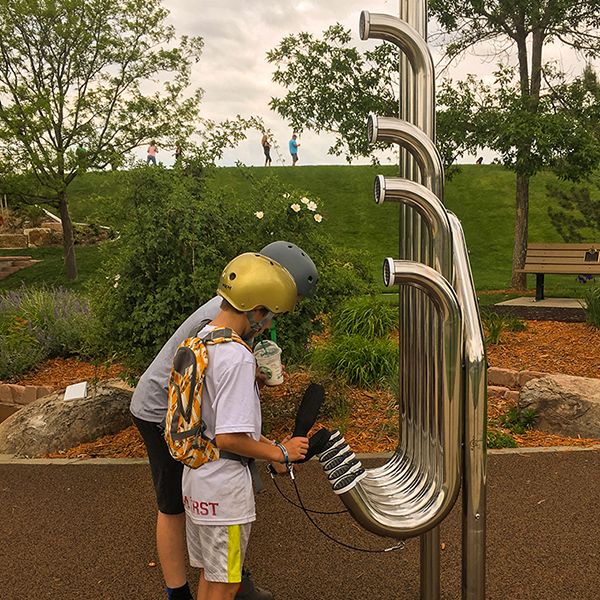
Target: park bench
{"points": [[560, 259]]}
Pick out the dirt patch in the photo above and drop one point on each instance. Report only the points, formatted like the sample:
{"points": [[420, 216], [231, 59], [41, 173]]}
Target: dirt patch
{"points": [[368, 418]]}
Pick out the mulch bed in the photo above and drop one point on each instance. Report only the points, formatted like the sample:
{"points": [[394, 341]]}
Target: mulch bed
{"points": [[371, 424]]}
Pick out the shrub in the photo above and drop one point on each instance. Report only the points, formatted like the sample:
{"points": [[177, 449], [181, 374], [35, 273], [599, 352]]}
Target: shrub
{"points": [[591, 296], [494, 325], [19, 349], [40, 323], [499, 439], [181, 235], [357, 360], [517, 420], [368, 316]]}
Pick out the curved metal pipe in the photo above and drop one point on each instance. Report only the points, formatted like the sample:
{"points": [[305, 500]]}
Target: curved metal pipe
{"points": [[416, 517], [475, 450], [429, 206], [414, 46], [396, 131]]}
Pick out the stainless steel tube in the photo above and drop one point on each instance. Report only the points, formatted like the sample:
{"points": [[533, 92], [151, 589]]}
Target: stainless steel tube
{"points": [[475, 447], [422, 148], [398, 513]]}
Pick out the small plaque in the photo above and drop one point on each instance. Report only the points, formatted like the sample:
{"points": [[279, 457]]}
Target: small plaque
{"points": [[76, 391], [592, 256]]}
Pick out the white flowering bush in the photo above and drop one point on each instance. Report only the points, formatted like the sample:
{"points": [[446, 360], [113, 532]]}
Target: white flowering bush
{"points": [[169, 258]]}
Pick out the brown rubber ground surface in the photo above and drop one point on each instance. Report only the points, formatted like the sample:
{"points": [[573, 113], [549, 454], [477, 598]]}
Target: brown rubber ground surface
{"points": [[85, 532]]}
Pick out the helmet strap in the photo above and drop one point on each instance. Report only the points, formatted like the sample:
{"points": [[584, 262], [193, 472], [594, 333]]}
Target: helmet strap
{"points": [[256, 326]]}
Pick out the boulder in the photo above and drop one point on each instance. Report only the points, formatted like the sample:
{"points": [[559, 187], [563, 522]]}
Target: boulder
{"points": [[566, 405], [51, 424]]}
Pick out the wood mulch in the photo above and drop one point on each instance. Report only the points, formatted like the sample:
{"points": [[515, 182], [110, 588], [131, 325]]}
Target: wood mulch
{"points": [[370, 424]]}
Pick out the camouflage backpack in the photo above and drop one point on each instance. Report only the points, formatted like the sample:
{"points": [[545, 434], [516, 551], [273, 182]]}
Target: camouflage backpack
{"points": [[184, 427]]}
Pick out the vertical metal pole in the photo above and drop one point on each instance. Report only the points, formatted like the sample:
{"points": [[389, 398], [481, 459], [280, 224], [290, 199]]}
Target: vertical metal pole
{"points": [[414, 12]]}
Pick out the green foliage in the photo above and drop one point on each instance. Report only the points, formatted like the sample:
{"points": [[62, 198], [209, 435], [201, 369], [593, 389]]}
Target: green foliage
{"points": [[368, 316], [494, 325], [85, 104], [499, 439], [331, 86], [591, 296], [40, 323], [577, 216], [357, 360], [517, 420], [169, 258]]}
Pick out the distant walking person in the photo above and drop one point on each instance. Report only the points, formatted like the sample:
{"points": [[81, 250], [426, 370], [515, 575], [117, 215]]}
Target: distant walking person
{"points": [[152, 152], [293, 144], [266, 149]]}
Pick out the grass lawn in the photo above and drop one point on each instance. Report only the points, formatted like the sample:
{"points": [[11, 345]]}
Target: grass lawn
{"points": [[51, 270], [482, 196]]}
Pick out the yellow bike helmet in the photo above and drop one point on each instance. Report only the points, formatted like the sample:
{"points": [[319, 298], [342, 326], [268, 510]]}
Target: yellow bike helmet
{"points": [[252, 280]]}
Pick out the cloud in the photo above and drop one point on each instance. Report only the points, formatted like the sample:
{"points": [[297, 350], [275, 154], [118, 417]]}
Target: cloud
{"points": [[237, 78]]}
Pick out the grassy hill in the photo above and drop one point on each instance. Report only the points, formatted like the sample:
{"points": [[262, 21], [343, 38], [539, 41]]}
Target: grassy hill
{"points": [[482, 196]]}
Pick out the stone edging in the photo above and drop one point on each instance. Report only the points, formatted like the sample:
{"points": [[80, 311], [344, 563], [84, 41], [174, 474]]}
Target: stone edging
{"points": [[507, 383], [20, 395]]}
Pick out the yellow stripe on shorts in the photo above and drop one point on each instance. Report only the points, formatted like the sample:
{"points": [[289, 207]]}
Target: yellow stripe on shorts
{"points": [[234, 564]]}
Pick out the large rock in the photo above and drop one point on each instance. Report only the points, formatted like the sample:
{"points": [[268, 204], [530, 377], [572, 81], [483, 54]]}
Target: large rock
{"points": [[566, 405], [51, 424]]}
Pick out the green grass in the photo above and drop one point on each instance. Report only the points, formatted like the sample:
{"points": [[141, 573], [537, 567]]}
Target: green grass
{"points": [[51, 270], [481, 196]]}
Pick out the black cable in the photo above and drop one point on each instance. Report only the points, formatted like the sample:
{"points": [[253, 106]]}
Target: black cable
{"points": [[399, 546], [316, 512]]}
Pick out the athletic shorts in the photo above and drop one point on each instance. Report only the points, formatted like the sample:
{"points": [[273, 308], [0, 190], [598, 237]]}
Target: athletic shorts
{"points": [[166, 471], [218, 549]]}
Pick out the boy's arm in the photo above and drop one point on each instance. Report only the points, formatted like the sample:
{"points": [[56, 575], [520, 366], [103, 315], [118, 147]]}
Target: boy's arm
{"points": [[243, 444]]}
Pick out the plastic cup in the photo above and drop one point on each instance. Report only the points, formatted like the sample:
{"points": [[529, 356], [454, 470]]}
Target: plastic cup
{"points": [[268, 359]]}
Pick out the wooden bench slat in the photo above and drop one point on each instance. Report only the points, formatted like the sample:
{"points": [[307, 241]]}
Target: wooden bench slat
{"points": [[550, 260], [562, 269], [585, 246], [534, 253]]}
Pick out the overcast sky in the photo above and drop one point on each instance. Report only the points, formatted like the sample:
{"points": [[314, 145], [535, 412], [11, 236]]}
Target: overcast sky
{"points": [[236, 77]]}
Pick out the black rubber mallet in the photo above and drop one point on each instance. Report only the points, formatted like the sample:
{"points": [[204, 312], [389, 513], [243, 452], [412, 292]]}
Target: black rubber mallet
{"points": [[309, 408]]}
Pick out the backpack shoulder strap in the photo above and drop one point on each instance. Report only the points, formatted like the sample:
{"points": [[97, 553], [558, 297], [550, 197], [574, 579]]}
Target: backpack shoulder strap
{"points": [[197, 328], [224, 334]]}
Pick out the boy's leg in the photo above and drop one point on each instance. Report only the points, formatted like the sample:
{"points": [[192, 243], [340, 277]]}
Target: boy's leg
{"points": [[210, 590], [170, 545], [170, 522]]}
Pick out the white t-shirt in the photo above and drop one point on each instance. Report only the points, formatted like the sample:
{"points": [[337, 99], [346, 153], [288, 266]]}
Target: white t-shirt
{"points": [[220, 492]]}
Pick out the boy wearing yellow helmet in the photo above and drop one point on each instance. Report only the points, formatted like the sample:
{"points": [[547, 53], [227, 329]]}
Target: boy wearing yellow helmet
{"points": [[149, 407], [218, 496]]}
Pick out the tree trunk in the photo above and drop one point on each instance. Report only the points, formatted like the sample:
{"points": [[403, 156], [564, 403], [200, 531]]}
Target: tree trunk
{"points": [[519, 280], [68, 241]]}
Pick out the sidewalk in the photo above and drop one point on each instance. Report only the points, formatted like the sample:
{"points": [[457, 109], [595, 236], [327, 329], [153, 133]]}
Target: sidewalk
{"points": [[85, 532]]}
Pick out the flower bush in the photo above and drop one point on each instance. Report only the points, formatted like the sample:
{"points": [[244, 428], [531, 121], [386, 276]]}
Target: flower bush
{"points": [[182, 232]]}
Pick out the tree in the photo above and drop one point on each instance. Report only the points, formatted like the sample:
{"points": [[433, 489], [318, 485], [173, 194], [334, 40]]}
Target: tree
{"points": [[331, 86], [82, 83], [529, 26]]}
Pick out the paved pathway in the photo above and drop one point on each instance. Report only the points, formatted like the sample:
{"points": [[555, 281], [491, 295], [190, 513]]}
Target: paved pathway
{"points": [[85, 532]]}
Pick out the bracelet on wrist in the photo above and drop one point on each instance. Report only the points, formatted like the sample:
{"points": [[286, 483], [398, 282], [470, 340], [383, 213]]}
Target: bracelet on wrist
{"points": [[286, 458]]}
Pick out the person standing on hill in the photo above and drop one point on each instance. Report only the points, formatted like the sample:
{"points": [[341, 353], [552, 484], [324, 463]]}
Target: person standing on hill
{"points": [[293, 145], [152, 152], [266, 149]]}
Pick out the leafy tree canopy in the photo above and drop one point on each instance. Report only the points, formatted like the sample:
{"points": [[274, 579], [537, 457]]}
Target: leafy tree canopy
{"points": [[83, 82]]}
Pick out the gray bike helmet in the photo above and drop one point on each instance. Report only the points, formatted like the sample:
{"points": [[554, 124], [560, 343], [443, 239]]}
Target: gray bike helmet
{"points": [[297, 262]]}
